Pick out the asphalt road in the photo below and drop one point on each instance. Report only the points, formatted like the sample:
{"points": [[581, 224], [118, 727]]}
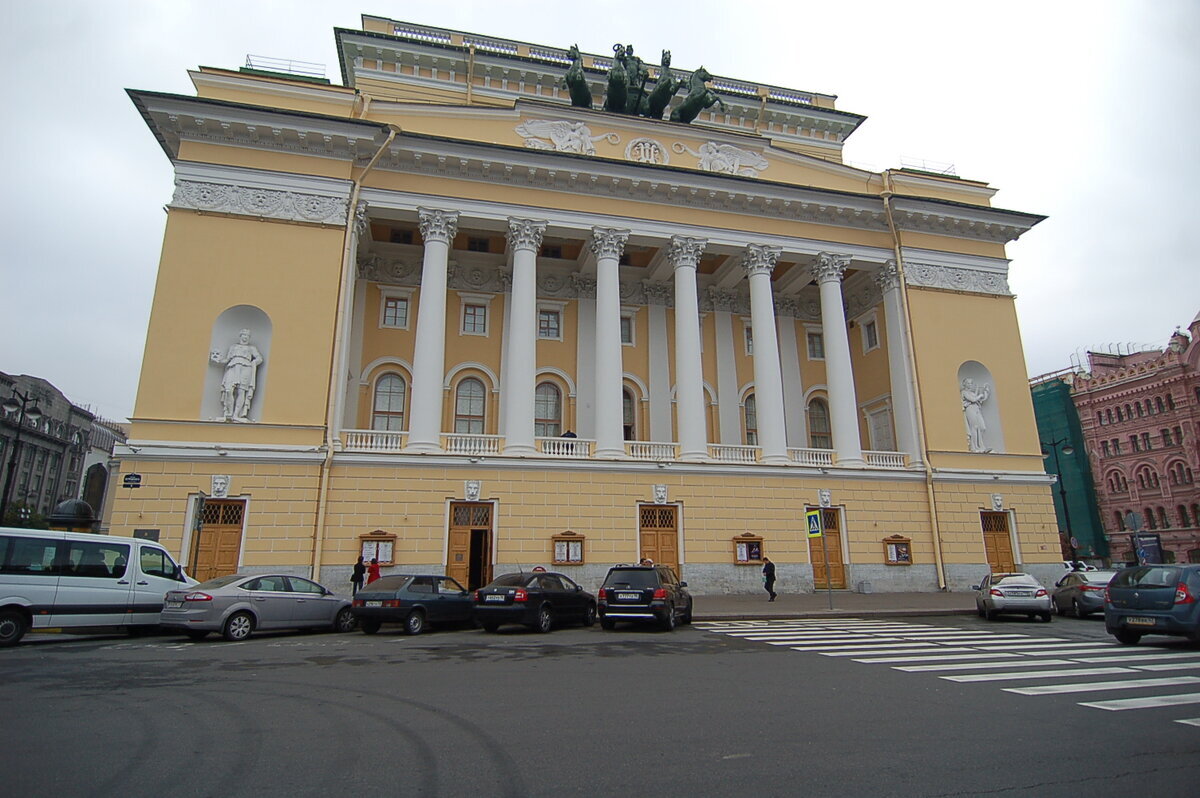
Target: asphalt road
{"points": [[697, 712]]}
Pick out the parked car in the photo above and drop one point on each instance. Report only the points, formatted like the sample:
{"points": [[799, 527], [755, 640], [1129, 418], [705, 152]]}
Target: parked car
{"points": [[1012, 593], [77, 580], [241, 604], [1081, 592], [644, 593], [1153, 599], [539, 600], [415, 601]]}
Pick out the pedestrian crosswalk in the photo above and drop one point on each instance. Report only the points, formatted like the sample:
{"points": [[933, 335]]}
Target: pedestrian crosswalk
{"points": [[972, 656]]}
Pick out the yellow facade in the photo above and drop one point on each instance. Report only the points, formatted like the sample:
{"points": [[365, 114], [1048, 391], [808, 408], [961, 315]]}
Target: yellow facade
{"points": [[302, 218]]}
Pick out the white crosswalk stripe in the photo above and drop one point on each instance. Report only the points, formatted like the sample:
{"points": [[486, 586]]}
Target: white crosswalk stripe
{"points": [[972, 656]]}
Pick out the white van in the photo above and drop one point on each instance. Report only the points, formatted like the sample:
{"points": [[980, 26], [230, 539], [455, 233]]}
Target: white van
{"points": [[70, 580]]}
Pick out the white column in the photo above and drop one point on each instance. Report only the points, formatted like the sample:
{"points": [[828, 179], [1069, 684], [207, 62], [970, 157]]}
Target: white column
{"points": [[525, 239], [789, 360], [684, 254], [759, 262], [347, 363], [904, 403], [843, 404], [585, 354], [659, 378], [607, 245], [429, 359]]}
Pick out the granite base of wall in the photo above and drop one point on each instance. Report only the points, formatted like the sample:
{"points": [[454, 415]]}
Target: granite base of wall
{"points": [[879, 578], [962, 577]]}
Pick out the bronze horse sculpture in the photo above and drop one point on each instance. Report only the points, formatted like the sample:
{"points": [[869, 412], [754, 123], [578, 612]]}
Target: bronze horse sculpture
{"points": [[699, 97], [667, 85], [618, 83], [576, 81]]}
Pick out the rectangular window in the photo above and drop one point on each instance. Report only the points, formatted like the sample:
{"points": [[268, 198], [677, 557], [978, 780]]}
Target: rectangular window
{"points": [[400, 236], [1133, 443], [871, 333], [30, 556], [1116, 445], [1166, 437], [551, 251], [1146, 441], [816, 346], [475, 319], [627, 330], [395, 312], [749, 331], [477, 245], [103, 560], [1104, 447], [550, 325]]}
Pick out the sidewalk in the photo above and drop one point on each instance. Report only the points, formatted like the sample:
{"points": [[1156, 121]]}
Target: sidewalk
{"points": [[816, 605]]}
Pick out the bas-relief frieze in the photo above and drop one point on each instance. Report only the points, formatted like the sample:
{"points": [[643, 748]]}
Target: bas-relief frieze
{"points": [[289, 206], [860, 295], [726, 300], [925, 275], [562, 136], [725, 159]]}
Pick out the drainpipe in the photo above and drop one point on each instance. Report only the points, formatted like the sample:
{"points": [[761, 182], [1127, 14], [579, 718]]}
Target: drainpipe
{"points": [[470, 72], [922, 442], [334, 368]]}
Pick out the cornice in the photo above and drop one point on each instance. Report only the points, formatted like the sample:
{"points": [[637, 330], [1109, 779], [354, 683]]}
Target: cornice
{"points": [[960, 220], [222, 79]]}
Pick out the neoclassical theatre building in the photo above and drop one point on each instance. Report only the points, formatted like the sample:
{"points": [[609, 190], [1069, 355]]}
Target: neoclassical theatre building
{"points": [[489, 305]]}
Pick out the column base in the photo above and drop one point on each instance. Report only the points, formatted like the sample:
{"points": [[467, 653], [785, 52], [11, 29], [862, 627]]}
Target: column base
{"points": [[694, 457]]}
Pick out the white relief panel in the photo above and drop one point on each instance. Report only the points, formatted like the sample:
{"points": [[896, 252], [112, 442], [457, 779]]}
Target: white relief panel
{"points": [[725, 159], [562, 136]]}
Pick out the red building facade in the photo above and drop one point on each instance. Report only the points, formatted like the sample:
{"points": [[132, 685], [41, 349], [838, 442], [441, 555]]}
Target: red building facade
{"points": [[1140, 414]]}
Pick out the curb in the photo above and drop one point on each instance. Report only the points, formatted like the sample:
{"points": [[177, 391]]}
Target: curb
{"points": [[835, 613]]}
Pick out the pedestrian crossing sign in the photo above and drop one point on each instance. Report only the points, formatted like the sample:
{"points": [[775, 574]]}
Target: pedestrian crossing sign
{"points": [[814, 523]]}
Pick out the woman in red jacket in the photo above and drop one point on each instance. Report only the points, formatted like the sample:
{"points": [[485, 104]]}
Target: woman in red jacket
{"points": [[373, 571]]}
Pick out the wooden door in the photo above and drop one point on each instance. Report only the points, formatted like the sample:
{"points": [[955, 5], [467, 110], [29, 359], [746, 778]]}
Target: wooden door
{"points": [[469, 549], [218, 545], [997, 543], [658, 534], [828, 569]]}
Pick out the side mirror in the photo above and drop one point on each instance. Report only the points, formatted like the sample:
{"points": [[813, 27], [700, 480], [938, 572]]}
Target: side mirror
{"points": [[578, 589], [974, 587], [683, 584]]}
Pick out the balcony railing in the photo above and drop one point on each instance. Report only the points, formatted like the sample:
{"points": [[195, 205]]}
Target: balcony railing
{"points": [[471, 445], [650, 450], [885, 459], [817, 458], [580, 448], [723, 453], [371, 440]]}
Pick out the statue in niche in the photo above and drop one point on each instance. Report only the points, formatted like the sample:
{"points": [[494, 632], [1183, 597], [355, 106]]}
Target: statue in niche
{"points": [[237, 386], [699, 97], [576, 81], [973, 398]]}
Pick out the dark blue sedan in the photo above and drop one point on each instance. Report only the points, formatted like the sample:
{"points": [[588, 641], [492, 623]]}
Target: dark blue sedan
{"points": [[415, 601]]}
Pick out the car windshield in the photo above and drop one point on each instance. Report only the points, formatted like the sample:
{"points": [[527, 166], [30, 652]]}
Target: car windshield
{"points": [[632, 577], [389, 583], [220, 581], [511, 580], [1013, 579]]}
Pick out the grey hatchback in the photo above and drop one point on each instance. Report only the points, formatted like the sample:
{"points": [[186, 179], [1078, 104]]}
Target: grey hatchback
{"points": [[1153, 599]]}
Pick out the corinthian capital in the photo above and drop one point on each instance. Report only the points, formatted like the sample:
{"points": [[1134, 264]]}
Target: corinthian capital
{"points": [[585, 287], [437, 225], [525, 234], [685, 251], [760, 259], [608, 242], [888, 277], [829, 267]]}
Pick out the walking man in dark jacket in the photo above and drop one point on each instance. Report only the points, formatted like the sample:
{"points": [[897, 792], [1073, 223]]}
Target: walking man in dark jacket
{"points": [[769, 577]]}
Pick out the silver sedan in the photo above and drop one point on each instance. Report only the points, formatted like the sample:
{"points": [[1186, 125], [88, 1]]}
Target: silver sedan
{"points": [[1012, 593], [238, 605]]}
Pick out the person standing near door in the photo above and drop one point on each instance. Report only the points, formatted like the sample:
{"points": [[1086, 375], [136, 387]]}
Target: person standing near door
{"points": [[769, 577], [356, 577], [373, 571]]}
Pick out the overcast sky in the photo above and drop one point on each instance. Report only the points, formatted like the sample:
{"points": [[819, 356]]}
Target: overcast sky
{"points": [[1086, 112]]}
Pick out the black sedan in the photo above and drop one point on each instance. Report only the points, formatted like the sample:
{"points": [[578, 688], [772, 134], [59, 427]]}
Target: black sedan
{"points": [[414, 601], [538, 600]]}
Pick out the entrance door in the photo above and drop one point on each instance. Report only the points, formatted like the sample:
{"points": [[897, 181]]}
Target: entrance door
{"points": [[218, 544], [997, 543], [469, 553], [658, 534], [829, 572]]}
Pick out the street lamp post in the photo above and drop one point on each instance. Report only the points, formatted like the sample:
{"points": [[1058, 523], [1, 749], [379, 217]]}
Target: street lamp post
{"points": [[1068, 450], [18, 404]]}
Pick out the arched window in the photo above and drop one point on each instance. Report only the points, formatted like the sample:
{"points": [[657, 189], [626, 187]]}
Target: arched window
{"points": [[387, 412], [1170, 401], [1100, 417], [1138, 405], [1158, 403], [1162, 519], [820, 435], [1120, 519], [1182, 512], [628, 415], [1141, 478], [1148, 514], [468, 407], [1149, 408], [1120, 414], [751, 419], [1108, 414], [1196, 514], [1128, 412], [547, 410]]}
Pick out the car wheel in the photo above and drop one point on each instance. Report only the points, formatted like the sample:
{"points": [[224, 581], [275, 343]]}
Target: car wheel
{"points": [[608, 624], [1126, 637], [414, 624], [544, 622], [12, 627], [344, 621], [238, 627], [589, 615], [1047, 617], [1078, 610], [668, 621], [687, 615], [370, 626], [989, 614], [1058, 608], [196, 635], [490, 627]]}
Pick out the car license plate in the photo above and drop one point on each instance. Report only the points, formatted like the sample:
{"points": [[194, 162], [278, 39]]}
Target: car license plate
{"points": [[493, 598], [174, 604], [1139, 622], [1020, 593], [628, 596], [374, 603]]}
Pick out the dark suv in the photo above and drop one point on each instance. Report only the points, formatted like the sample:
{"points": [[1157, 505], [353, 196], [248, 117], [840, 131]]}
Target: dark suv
{"points": [[1153, 599], [644, 593]]}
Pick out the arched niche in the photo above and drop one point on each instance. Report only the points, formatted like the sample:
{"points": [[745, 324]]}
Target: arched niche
{"points": [[226, 335], [981, 408]]}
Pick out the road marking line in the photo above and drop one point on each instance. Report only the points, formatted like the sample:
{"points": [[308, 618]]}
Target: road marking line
{"points": [[964, 666], [943, 653], [1087, 687], [1000, 677], [1189, 721], [1140, 655], [1145, 703], [1168, 666], [872, 651], [859, 646]]}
